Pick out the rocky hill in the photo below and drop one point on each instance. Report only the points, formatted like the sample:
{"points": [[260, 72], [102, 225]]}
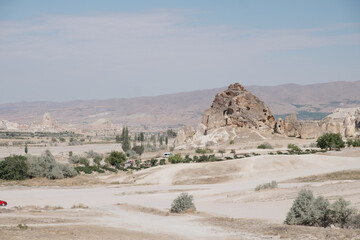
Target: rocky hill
{"points": [[174, 110]]}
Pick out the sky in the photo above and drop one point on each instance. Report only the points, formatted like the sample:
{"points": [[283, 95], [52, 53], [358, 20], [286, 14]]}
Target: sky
{"points": [[65, 50]]}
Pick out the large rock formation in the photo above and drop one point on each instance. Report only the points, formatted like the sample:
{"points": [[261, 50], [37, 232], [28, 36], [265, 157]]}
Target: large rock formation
{"points": [[238, 107], [232, 110]]}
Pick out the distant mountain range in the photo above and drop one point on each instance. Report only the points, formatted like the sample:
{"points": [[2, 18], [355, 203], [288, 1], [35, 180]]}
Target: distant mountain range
{"points": [[312, 101]]}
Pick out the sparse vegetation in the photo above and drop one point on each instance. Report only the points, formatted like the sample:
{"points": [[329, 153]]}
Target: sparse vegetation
{"points": [[184, 202], [22, 226], [330, 141], [269, 185], [293, 149], [203, 151], [340, 175], [265, 146], [80, 205], [310, 211]]}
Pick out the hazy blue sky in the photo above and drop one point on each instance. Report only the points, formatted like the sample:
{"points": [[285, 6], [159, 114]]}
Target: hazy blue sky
{"points": [[87, 49]]}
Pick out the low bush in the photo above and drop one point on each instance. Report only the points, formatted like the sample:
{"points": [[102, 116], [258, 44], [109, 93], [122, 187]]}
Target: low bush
{"points": [[206, 158], [309, 211], [293, 149], [153, 162], [109, 169], [354, 143], [203, 151], [89, 169], [162, 161], [270, 185], [176, 158], [265, 146], [182, 203]]}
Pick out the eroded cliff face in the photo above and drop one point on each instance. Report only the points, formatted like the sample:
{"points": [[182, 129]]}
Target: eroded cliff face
{"points": [[344, 121], [238, 107]]}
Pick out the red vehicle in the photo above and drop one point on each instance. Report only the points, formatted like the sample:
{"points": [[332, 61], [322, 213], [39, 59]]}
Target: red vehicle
{"points": [[3, 203]]}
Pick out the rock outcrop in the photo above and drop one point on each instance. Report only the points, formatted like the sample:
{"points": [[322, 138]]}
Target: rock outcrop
{"points": [[292, 126], [238, 107], [183, 134], [310, 130], [344, 121], [232, 111], [279, 126]]}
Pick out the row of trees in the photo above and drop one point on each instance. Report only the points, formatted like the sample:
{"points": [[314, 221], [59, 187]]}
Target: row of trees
{"points": [[17, 167], [125, 139]]}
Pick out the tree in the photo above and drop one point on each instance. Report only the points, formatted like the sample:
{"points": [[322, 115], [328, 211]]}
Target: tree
{"points": [[26, 148], [141, 137], [14, 168], [222, 151], [330, 141], [138, 149], [116, 158], [125, 139]]}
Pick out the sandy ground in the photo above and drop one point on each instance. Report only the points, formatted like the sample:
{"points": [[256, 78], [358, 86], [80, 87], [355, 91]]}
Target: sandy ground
{"points": [[136, 206]]}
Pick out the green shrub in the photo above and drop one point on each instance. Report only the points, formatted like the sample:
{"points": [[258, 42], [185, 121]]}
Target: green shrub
{"points": [[203, 151], [300, 211], [330, 141], [293, 149], [265, 146], [84, 161], [269, 185], [341, 212], [176, 158], [116, 158], [310, 211], [183, 202], [354, 222], [153, 162], [232, 141], [187, 159], [14, 168], [162, 161], [354, 143], [108, 168]]}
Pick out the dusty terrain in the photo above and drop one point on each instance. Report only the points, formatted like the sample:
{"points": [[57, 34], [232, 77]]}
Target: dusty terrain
{"points": [[136, 205]]}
